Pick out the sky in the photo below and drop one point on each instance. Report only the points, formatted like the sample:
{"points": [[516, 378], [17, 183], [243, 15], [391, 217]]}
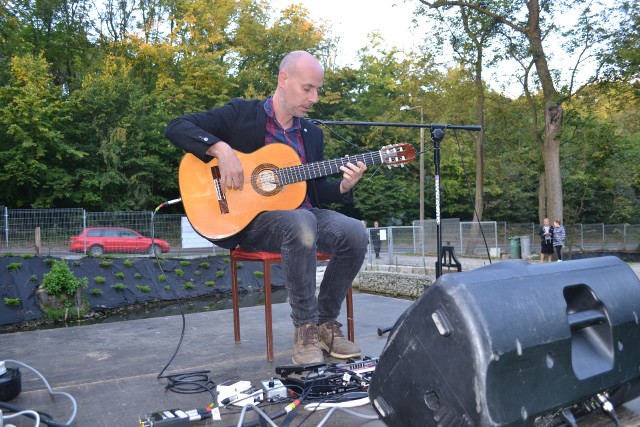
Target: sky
{"points": [[353, 20]]}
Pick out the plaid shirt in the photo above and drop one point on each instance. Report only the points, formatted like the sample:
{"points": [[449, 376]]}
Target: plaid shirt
{"points": [[292, 137]]}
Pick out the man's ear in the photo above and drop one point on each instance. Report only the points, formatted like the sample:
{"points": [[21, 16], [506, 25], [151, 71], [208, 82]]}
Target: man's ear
{"points": [[282, 78]]}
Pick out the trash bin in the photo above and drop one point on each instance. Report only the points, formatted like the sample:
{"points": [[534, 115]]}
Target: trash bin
{"points": [[525, 246], [515, 247]]}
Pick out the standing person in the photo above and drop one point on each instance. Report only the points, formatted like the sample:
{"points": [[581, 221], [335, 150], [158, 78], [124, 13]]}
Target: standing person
{"points": [[246, 126], [546, 241], [558, 238], [375, 239]]}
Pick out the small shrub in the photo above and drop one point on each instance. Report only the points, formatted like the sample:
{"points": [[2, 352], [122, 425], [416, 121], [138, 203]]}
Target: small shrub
{"points": [[99, 279], [12, 302], [76, 263], [137, 276], [119, 286], [127, 263], [210, 283], [95, 291], [179, 272], [204, 264], [188, 285], [33, 278], [167, 288], [197, 273], [219, 273], [120, 275], [26, 256], [239, 265], [106, 264], [14, 266], [7, 254], [143, 288], [162, 278], [61, 280], [227, 260], [185, 263], [49, 261], [258, 274]]}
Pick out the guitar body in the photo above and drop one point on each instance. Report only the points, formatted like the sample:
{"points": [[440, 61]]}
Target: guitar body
{"points": [[215, 218]]}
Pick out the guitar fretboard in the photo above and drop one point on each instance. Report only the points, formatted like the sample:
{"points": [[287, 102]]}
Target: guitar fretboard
{"points": [[325, 168]]}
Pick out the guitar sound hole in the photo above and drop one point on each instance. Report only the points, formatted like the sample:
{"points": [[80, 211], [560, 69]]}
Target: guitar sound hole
{"points": [[265, 180]]}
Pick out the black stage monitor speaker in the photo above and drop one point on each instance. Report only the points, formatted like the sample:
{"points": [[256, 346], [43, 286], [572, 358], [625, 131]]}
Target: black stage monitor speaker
{"points": [[513, 343]]}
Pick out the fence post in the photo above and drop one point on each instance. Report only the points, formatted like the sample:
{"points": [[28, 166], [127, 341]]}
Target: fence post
{"points": [[38, 241], [390, 244], [6, 227]]}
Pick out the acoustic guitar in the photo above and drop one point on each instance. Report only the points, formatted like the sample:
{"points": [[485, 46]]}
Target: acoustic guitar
{"points": [[274, 179]]}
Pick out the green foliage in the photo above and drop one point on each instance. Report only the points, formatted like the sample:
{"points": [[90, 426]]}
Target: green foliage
{"points": [[127, 263], [167, 288], [219, 273], [179, 272], [119, 275], [188, 285], [259, 274], [95, 291], [61, 281], [49, 261], [143, 288], [106, 264], [197, 273], [209, 283], [137, 276], [12, 302], [99, 279], [185, 263], [14, 266], [204, 264], [33, 278], [26, 256], [162, 278], [119, 286]]}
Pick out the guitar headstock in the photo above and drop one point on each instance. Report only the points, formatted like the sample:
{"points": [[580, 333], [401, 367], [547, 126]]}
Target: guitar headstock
{"points": [[397, 154]]}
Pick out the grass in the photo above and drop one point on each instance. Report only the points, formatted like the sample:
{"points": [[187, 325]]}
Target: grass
{"points": [[12, 302]]}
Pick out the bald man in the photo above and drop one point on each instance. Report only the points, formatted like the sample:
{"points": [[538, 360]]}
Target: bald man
{"points": [[246, 126]]}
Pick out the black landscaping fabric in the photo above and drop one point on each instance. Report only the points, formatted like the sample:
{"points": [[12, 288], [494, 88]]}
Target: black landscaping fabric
{"points": [[21, 277]]}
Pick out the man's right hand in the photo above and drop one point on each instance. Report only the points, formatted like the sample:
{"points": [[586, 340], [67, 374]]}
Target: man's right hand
{"points": [[231, 172]]}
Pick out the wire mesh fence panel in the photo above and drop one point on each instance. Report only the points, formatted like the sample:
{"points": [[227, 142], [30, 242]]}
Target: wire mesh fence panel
{"points": [[450, 231], [54, 226], [478, 237], [615, 236], [61, 231], [592, 237]]}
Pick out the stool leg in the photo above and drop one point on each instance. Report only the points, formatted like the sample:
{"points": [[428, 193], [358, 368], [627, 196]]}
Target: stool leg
{"points": [[350, 328], [268, 318], [235, 300]]}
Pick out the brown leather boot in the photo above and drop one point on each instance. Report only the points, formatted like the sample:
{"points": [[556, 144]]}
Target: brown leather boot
{"points": [[306, 349], [333, 341]]}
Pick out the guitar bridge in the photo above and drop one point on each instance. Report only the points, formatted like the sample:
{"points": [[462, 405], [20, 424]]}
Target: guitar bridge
{"points": [[222, 198]]}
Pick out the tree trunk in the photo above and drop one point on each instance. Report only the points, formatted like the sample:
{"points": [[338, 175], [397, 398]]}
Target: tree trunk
{"points": [[551, 155]]}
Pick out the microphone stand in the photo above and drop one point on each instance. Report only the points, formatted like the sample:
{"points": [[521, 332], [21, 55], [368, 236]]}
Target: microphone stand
{"points": [[437, 135]]}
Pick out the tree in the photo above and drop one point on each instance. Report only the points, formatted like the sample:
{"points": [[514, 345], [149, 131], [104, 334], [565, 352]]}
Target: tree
{"points": [[33, 150], [534, 29]]}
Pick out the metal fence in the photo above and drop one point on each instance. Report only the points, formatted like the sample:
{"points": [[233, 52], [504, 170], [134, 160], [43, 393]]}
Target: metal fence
{"points": [[50, 230]]}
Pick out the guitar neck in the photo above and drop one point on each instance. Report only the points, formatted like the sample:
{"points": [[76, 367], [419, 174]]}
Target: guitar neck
{"points": [[292, 174]]}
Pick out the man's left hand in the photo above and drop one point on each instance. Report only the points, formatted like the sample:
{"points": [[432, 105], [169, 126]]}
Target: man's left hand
{"points": [[351, 174]]}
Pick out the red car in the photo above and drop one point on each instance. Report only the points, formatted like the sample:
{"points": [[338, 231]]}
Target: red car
{"points": [[100, 240]]}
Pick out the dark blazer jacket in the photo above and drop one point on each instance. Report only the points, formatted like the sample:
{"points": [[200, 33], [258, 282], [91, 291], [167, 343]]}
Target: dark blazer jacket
{"points": [[242, 124]]}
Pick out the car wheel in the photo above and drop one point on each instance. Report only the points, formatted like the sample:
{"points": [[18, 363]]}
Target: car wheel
{"points": [[155, 249], [96, 250]]}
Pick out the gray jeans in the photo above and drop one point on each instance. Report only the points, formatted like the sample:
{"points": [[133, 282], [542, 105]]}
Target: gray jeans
{"points": [[298, 235]]}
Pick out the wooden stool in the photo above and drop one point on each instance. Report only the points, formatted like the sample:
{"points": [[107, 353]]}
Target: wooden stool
{"points": [[268, 259]]}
